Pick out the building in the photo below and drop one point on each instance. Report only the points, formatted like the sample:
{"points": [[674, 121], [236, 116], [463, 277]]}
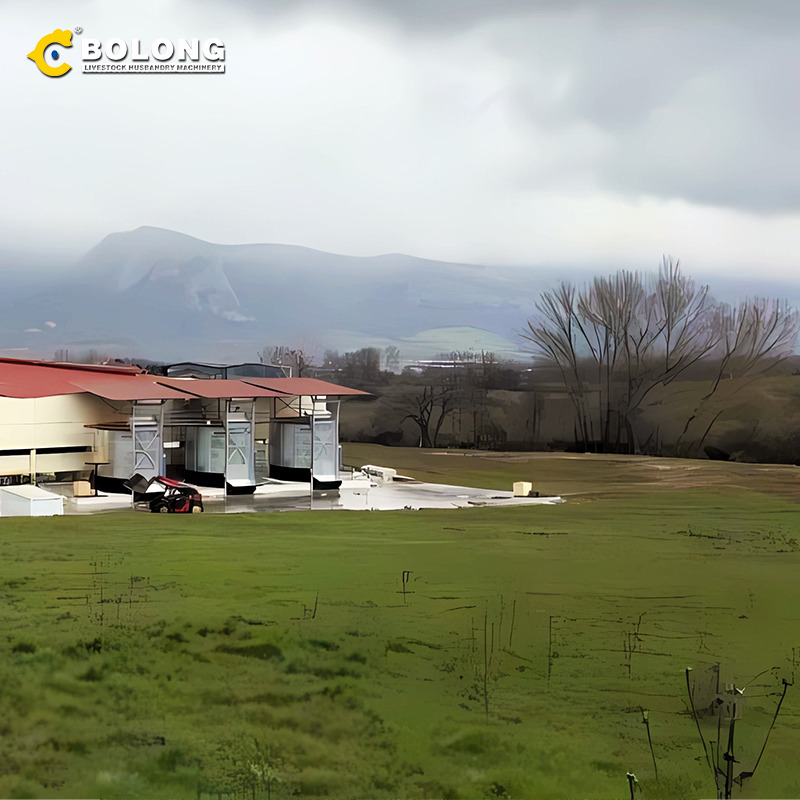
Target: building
{"points": [[65, 421], [194, 369]]}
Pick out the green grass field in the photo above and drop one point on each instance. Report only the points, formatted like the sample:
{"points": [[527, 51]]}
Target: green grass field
{"points": [[277, 655]]}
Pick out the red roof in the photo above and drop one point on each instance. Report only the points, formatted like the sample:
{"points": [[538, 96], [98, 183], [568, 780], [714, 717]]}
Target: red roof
{"points": [[21, 379], [304, 387], [28, 379], [230, 387], [124, 369], [135, 387]]}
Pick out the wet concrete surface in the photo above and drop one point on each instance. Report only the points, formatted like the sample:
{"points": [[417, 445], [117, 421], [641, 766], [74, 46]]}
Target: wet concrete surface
{"points": [[356, 494], [381, 497]]}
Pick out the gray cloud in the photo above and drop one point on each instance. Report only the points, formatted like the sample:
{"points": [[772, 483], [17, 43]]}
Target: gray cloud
{"points": [[701, 113], [505, 132], [683, 100], [451, 16]]}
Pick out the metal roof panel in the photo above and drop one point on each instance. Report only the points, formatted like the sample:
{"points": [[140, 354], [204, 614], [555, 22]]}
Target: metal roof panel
{"points": [[218, 389], [135, 387], [305, 387]]}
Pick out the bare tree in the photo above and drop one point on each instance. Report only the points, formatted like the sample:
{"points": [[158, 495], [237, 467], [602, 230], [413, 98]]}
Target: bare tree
{"points": [[392, 357], [756, 336], [557, 337], [430, 408], [295, 358], [617, 339], [362, 366]]}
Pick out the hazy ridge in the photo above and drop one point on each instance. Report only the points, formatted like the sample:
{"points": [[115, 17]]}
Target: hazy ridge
{"points": [[160, 294]]}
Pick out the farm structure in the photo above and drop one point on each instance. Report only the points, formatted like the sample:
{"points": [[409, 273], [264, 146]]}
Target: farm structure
{"points": [[63, 421]]}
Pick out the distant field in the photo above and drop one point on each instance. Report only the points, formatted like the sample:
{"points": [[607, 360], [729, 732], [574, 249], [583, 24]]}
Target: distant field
{"points": [[273, 655], [578, 474]]}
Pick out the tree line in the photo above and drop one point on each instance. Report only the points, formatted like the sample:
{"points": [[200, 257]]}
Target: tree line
{"points": [[618, 351], [616, 339], [627, 362]]}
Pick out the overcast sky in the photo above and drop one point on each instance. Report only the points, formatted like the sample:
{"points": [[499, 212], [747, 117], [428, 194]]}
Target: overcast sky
{"points": [[530, 132]]}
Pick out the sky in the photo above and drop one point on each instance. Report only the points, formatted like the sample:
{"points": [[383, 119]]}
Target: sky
{"points": [[547, 133]]}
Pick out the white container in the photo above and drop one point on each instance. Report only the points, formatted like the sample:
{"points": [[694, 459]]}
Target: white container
{"points": [[29, 501], [379, 474]]}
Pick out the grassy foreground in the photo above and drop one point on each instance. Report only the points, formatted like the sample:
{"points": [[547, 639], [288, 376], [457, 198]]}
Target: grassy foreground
{"points": [[278, 654]]}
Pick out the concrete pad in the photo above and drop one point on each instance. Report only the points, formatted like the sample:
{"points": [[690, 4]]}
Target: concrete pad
{"points": [[359, 493]]}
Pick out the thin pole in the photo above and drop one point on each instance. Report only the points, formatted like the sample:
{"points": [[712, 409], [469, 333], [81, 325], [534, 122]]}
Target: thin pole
{"points": [[486, 663], [719, 731], [772, 725], [729, 754], [311, 468], [697, 722], [228, 412], [631, 783], [646, 720]]}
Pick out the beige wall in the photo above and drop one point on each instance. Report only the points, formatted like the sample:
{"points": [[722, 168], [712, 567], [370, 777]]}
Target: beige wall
{"points": [[33, 424]]}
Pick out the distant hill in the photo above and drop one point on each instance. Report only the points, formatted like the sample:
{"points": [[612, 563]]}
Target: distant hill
{"points": [[163, 295], [166, 295]]}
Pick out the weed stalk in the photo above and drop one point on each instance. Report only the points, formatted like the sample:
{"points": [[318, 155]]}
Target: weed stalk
{"points": [[486, 662]]}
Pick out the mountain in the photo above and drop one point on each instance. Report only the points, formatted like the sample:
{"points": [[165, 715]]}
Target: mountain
{"points": [[168, 296], [154, 293]]}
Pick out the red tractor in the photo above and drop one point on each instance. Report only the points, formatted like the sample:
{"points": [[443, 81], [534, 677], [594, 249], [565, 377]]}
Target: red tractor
{"points": [[178, 498], [164, 495]]}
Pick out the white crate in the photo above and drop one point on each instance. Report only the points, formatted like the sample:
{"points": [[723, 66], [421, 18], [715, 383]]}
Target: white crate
{"points": [[29, 501]]}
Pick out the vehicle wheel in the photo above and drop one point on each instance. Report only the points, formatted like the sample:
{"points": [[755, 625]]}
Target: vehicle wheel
{"points": [[163, 509]]}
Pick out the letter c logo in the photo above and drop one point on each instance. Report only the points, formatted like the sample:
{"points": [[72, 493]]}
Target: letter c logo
{"points": [[47, 57]]}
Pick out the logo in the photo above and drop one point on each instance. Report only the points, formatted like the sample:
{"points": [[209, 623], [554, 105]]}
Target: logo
{"points": [[163, 55], [122, 56], [47, 56]]}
